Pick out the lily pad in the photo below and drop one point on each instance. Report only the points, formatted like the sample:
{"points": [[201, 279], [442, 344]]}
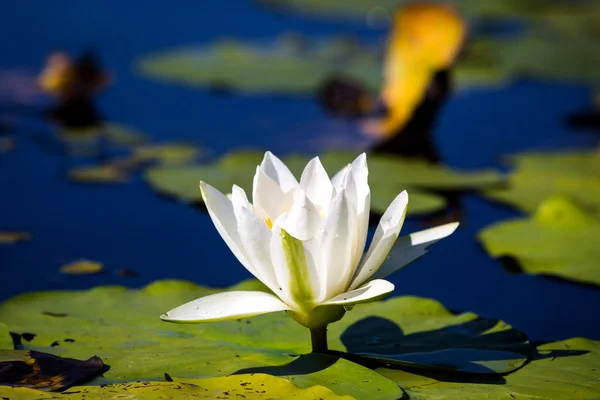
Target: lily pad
{"points": [[122, 327], [82, 267], [292, 64], [254, 386], [166, 153], [561, 370], [388, 177], [102, 173], [6, 341], [359, 9], [537, 176], [14, 237], [561, 239]]}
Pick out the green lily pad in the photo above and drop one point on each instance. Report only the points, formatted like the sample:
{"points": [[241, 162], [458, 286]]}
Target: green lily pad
{"points": [[561, 370], [561, 239], [100, 173], [537, 176], [293, 64], [117, 135], [6, 341], [122, 327], [254, 386], [166, 153], [388, 176], [359, 9]]}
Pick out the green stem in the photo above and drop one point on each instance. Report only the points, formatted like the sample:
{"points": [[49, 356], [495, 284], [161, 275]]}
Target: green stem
{"points": [[318, 337]]}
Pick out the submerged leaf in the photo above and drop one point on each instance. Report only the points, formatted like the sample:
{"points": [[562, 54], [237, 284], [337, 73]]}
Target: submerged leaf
{"points": [[561, 239], [36, 370], [82, 267], [14, 237]]}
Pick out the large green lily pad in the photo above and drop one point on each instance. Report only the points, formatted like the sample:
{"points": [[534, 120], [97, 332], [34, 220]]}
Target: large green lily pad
{"points": [[561, 370], [253, 386], [388, 176], [122, 327], [537, 176], [6, 341], [293, 64], [561, 239]]}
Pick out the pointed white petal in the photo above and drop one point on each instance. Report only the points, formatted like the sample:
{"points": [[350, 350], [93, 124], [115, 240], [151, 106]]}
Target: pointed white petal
{"points": [[221, 212], [275, 169], [266, 196], [303, 218], [385, 236], [360, 175], [295, 266], [224, 306], [372, 291], [255, 237], [316, 184], [408, 248], [336, 238], [339, 178]]}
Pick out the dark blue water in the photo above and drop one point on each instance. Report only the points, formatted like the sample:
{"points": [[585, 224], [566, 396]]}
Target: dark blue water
{"points": [[129, 226]]}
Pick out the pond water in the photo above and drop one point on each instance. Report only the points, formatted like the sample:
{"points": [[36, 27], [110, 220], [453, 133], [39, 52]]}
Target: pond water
{"points": [[129, 226]]}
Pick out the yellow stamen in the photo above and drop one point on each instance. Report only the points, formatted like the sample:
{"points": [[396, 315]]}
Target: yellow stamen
{"points": [[269, 223]]}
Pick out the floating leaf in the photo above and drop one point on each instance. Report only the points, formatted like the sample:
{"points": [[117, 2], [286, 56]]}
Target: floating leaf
{"points": [[249, 386], [103, 173], [82, 267], [168, 153], [388, 176], [122, 327], [295, 66], [14, 237], [561, 370], [6, 341], [36, 370], [538, 176], [561, 239], [358, 9], [120, 135]]}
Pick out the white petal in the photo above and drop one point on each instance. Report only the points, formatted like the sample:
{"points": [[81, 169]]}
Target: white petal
{"points": [[275, 169], [221, 212], [360, 174], [372, 291], [255, 237], [385, 236], [340, 177], [224, 306], [266, 196], [295, 264], [316, 184], [408, 248], [303, 218], [336, 238]]}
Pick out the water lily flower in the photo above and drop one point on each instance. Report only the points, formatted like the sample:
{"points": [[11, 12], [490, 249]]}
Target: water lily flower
{"points": [[305, 241]]}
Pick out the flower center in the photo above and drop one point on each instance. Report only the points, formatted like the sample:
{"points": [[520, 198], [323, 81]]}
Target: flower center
{"points": [[269, 223]]}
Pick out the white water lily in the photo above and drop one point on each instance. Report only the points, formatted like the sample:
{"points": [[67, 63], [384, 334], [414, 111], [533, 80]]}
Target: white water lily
{"points": [[305, 241]]}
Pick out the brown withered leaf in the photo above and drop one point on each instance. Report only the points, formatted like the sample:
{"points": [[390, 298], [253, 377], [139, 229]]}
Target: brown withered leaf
{"points": [[42, 371]]}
